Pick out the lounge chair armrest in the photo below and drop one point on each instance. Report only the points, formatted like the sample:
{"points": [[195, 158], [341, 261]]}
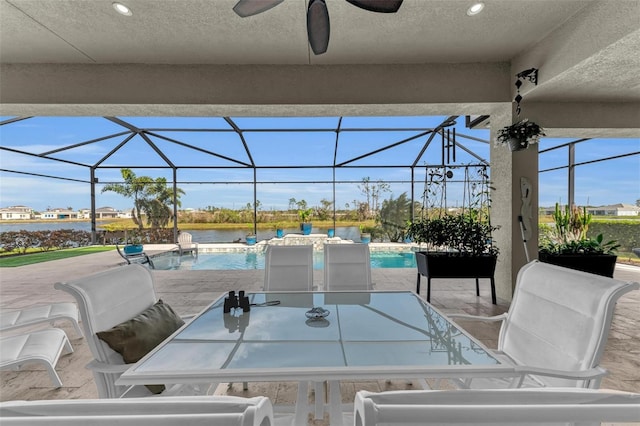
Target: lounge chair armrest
{"points": [[495, 318], [101, 367], [592, 373]]}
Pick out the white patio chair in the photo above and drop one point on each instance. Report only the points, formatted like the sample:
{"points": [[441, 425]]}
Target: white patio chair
{"points": [[557, 406], [170, 411], [105, 300], [185, 245], [33, 315], [347, 267], [40, 347], [556, 328], [288, 268]]}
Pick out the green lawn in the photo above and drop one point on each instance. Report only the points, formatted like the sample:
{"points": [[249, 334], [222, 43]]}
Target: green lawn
{"points": [[29, 259]]}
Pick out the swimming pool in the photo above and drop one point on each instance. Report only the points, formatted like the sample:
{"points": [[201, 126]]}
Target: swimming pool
{"points": [[255, 260]]}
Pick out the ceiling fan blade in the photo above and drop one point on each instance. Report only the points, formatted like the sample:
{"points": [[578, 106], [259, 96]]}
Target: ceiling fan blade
{"points": [[381, 6], [318, 26], [246, 8]]}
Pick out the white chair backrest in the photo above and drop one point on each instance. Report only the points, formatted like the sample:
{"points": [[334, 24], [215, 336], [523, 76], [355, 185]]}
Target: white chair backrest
{"points": [[206, 410], [558, 406], [288, 268], [560, 318], [184, 238], [104, 300], [347, 267]]}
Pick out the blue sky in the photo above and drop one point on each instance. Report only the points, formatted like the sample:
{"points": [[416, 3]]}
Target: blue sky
{"points": [[601, 183]]}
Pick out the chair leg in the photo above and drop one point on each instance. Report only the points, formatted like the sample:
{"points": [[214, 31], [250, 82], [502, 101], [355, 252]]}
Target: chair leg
{"points": [[302, 406], [493, 290], [57, 383], [429, 289], [477, 287], [418, 284], [76, 326]]}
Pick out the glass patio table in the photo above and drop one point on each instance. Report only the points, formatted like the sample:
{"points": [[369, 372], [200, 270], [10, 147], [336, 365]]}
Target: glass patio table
{"points": [[366, 335]]}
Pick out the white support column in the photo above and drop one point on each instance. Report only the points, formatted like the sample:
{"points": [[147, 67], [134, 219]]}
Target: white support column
{"points": [[501, 204], [507, 169]]}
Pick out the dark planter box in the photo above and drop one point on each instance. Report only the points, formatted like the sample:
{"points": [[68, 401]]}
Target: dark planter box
{"points": [[599, 264], [443, 265]]}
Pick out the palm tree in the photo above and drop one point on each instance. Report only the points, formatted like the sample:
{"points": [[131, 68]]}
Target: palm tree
{"points": [[151, 197]]}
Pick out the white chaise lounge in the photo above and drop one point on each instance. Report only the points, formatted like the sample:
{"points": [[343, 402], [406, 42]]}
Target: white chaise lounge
{"points": [[209, 410], [10, 320], [546, 406], [43, 347]]}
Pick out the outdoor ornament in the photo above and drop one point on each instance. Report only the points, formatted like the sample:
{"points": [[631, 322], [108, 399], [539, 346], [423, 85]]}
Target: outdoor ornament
{"points": [[532, 75]]}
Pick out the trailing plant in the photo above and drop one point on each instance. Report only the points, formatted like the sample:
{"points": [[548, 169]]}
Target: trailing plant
{"points": [[524, 131]]}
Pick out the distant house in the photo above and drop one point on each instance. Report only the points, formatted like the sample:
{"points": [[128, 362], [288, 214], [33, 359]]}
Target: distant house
{"points": [[16, 213], [101, 213], [51, 214], [619, 209]]}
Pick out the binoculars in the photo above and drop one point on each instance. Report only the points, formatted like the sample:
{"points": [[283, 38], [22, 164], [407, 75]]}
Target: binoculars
{"points": [[236, 301]]}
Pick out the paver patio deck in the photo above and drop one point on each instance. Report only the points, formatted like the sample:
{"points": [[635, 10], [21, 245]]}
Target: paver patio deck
{"points": [[190, 291]]}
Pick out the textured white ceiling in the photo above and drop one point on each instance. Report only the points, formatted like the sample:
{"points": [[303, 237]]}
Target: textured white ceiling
{"points": [[422, 32]]}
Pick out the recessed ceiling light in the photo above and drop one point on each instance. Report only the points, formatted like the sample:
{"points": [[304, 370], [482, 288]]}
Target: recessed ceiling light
{"points": [[122, 9], [475, 9]]}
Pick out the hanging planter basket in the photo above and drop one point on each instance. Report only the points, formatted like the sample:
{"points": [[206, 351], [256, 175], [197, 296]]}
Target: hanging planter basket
{"points": [[518, 145], [520, 135]]}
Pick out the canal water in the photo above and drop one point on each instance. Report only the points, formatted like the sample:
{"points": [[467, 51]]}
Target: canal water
{"points": [[208, 236]]}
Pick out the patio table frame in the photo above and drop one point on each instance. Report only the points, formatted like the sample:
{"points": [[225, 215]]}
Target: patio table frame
{"points": [[315, 373]]}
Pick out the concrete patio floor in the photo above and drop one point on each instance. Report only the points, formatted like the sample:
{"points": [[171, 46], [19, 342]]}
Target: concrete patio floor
{"points": [[190, 291]]}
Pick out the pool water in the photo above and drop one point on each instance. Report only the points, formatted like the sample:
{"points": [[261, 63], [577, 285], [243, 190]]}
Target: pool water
{"points": [[254, 260]]}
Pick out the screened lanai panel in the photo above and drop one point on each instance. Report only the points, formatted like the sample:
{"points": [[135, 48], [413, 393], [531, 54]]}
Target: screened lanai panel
{"points": [[202, 149], [294, 175], [294, 123], [589, 178], [205, 196], [114, 175], [38, 135], [558, 157], [40, 166], [20, 189], [177, 123], [408, 122], [291, 148], [553, 188], [89, 153], [217, 176], [135, 152], [595, 149], [374, 148], [277, 197]]}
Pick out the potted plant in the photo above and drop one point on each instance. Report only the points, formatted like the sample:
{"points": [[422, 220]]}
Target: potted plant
{"points": [[279, 230], [134, 244], [567, 244], [365, 235], [305, 224], [520, 135], [455, 243], [252, 238]]}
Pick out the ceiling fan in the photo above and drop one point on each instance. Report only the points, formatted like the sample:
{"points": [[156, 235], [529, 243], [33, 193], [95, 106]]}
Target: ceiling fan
{"points": [[317, 16]]}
